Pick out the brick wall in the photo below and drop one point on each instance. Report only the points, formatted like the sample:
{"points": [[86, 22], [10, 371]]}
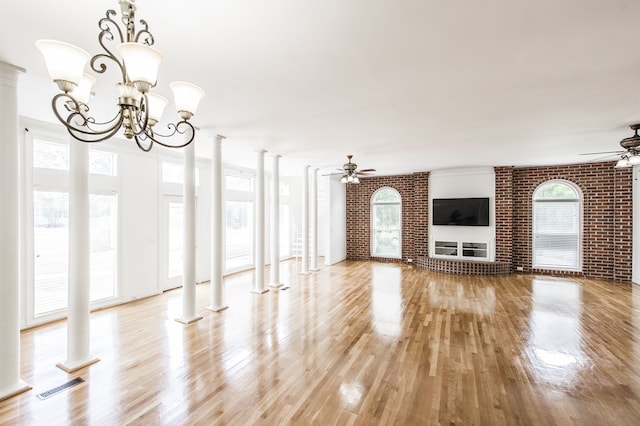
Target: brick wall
{"points": [[607, 216], [359, 215], [504, 214], [421, 214]]}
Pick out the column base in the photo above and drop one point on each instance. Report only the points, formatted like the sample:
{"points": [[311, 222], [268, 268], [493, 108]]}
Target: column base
{"points": [[256, 291], [71, 367], [19, 388], [275, 285], [304, 273], [220, 309], [314, 269], [183, 320]]}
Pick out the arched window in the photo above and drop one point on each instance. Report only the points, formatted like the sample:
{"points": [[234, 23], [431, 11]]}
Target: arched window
{"points": [[386, 223], [557, 226]]}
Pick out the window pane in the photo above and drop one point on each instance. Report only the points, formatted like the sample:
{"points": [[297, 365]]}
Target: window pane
{"points": [[50, 155], [386, 221], [102, 163], [174, 173], [239, 238], [51, 251], [556, 227], [387, 216], [386, 243], [387, 195], [104, 227], [176, 231], [555, 190], [238, 183]]}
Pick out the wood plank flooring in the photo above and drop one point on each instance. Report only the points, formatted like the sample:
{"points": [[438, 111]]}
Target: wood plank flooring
{"points": [[356, 343]]}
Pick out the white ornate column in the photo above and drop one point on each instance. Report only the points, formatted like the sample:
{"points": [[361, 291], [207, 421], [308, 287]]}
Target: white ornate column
{"points": [[189, 237], [314, 220], [259, 226], [275, 223], [10, 383], [304, 268], [79, 288], [217, 229]]}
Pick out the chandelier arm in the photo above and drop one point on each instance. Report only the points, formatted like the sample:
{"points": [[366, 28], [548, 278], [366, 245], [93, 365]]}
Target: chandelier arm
{"points": [[179, 128], [139, 140], [141, 123], [144, 34], [107, 25], [79, 123]]}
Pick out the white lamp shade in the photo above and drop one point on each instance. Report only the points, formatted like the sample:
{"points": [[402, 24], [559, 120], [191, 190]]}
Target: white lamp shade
{"points": [[186, 96], [156, 105], [82, 92], [634, 160], [65, 62], [343, 180], [356, 179], [142, 62], [623, 162]]}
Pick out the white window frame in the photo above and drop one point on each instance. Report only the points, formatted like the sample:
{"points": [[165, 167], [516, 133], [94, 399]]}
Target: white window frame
{"points": [[243, 196], [57, 180], [372, 228], [578, 199]]}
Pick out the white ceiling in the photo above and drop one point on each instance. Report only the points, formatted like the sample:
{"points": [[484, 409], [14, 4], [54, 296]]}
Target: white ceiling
{"points": [[405, 86]]}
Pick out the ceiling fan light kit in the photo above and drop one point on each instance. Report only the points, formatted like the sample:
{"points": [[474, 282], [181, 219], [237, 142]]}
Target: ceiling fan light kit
{"points": [[350, 172], [631, 156], [139, 110]]}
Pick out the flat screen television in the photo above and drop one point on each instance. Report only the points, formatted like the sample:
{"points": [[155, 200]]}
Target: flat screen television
{"points": [[460, 211]]}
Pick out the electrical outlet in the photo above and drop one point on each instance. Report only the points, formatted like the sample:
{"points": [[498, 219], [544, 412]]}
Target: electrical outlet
{"points": [[409, 260], [519, 268]]}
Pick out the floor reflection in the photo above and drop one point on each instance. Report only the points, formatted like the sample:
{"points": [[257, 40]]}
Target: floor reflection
{"points": [[387, 299], [555, 345], [473, 299]]}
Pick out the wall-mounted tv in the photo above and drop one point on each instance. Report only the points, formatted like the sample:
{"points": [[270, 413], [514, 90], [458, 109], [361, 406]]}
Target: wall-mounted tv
{"points": [[460, 211]]}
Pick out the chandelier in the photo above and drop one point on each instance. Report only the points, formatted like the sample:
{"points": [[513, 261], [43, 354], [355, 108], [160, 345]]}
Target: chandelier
{"points": [[631, 156], [139, 109]]}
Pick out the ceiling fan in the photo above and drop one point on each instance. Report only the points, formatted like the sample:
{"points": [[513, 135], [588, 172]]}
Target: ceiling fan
{"points": [[630, 155], [350, 172]]}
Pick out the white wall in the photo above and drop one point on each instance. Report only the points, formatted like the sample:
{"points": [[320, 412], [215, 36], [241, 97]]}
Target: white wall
{"points": [[138, 204], [464, 183], [334, 210]]}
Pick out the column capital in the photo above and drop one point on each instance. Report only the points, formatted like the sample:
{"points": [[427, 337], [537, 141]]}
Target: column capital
{"points": [[276, 156], [9, 73], [6, 66]]}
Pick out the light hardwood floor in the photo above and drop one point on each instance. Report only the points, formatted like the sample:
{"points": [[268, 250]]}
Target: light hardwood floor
{"points": [[356, 343]]}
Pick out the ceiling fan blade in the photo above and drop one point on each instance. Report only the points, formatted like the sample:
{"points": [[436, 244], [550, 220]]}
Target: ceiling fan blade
{"points": [[332, 174], [603, 152], [366, 171], [595, 160]]}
